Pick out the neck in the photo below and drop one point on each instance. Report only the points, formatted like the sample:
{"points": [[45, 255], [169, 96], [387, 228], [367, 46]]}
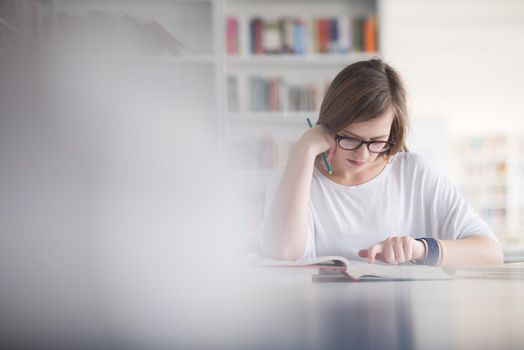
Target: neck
{"points": [[344, 177]]}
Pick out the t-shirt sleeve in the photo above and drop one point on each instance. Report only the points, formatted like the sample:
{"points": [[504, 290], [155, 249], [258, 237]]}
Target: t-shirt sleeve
{"points": [[456, 218]]}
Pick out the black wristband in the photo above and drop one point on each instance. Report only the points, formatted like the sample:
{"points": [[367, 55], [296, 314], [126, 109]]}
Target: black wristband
{"points": [[433, 251]]}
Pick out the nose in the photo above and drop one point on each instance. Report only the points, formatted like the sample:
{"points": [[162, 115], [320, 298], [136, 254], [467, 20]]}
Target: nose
{"points": [[362, 152]]}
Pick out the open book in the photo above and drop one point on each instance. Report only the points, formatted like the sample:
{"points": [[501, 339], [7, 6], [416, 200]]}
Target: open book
{"points": [[355, 270]]}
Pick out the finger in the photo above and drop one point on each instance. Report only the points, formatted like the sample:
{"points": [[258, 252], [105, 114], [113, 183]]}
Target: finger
{"points": [[389, 254], [373, 251], [381, 257], [329, 154], [363, 253], [408, 249], [399, 252]]}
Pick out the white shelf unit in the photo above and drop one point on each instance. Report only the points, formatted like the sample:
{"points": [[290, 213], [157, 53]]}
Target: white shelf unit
{"points": [[247, 130], [492, 173], [303, 60]]}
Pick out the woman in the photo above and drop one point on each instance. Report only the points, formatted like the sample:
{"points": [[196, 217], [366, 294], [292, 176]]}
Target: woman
{"points": [[379, 201]]}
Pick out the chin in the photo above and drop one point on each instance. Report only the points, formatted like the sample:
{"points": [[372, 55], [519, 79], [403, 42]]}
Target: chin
{"points": [[356, 165]]}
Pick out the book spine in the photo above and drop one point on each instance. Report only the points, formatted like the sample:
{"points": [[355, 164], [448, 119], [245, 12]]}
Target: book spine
{"points": [[291, 98], [299, 37], [333, 35], [259, 36], [231, 36], [266, 95], [357, 34], [324, 35], [369, 35], [258, 95], [276, 94], [314, 36], [271, 38], [282, 95], [271, 100], [232, 93], [285, 46], [252, 36], [344, 35], [244, 36]]}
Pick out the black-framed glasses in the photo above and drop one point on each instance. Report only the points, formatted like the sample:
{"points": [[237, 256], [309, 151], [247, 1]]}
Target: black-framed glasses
{"points": [[352, 143]]}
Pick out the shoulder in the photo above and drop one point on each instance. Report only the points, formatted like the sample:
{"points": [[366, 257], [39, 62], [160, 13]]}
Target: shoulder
{"points": [[415, 165], [409, 158], [412, 160]]}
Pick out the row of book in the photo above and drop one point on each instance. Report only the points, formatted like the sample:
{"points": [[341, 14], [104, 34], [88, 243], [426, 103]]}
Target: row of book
{"points": [[486, 185], [486, 173], [275, 95], [260, 153], [143, 36], [491, 178], [288, 35], [31, 17], [493, 147], [266, 94]]}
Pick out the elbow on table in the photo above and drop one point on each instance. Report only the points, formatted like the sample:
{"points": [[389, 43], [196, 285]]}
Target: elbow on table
{"points": [[276, 249], [496, 255]]}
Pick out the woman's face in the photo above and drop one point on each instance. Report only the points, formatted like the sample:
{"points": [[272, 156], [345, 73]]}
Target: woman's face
{"points": [[359, 160]]}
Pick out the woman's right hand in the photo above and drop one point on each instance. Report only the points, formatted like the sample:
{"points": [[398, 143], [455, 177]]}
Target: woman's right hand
{"points": [[318, 139]]}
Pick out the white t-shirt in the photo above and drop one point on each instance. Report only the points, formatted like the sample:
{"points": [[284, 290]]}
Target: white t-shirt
{"points": [[410, 197]]}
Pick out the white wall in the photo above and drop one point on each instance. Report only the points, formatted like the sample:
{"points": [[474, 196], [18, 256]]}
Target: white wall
{"points": [[462, 60]]}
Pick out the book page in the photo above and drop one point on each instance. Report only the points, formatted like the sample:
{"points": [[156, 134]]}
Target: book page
{"points": [[358, 269]]}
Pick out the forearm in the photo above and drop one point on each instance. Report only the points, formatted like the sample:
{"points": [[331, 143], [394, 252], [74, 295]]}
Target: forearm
{"points": [[285, 229], [470, 251]]}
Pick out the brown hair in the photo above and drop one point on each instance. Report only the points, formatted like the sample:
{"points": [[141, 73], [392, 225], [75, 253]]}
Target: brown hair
{"points": [[363, 91]]}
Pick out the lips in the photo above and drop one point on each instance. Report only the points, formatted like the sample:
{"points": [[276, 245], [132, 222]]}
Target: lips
{"points": [[355, 163]]}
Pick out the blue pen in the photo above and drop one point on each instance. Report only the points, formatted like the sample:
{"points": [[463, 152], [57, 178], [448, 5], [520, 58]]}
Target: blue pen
{"points": [[324, 158]]}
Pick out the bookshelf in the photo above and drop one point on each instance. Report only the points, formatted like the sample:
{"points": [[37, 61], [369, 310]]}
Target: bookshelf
{"points": [[492, 170], [279, 58]]}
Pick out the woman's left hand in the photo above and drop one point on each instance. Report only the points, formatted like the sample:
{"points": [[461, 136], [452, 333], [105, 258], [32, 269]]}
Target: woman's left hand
{"points": [[395, 250]]}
